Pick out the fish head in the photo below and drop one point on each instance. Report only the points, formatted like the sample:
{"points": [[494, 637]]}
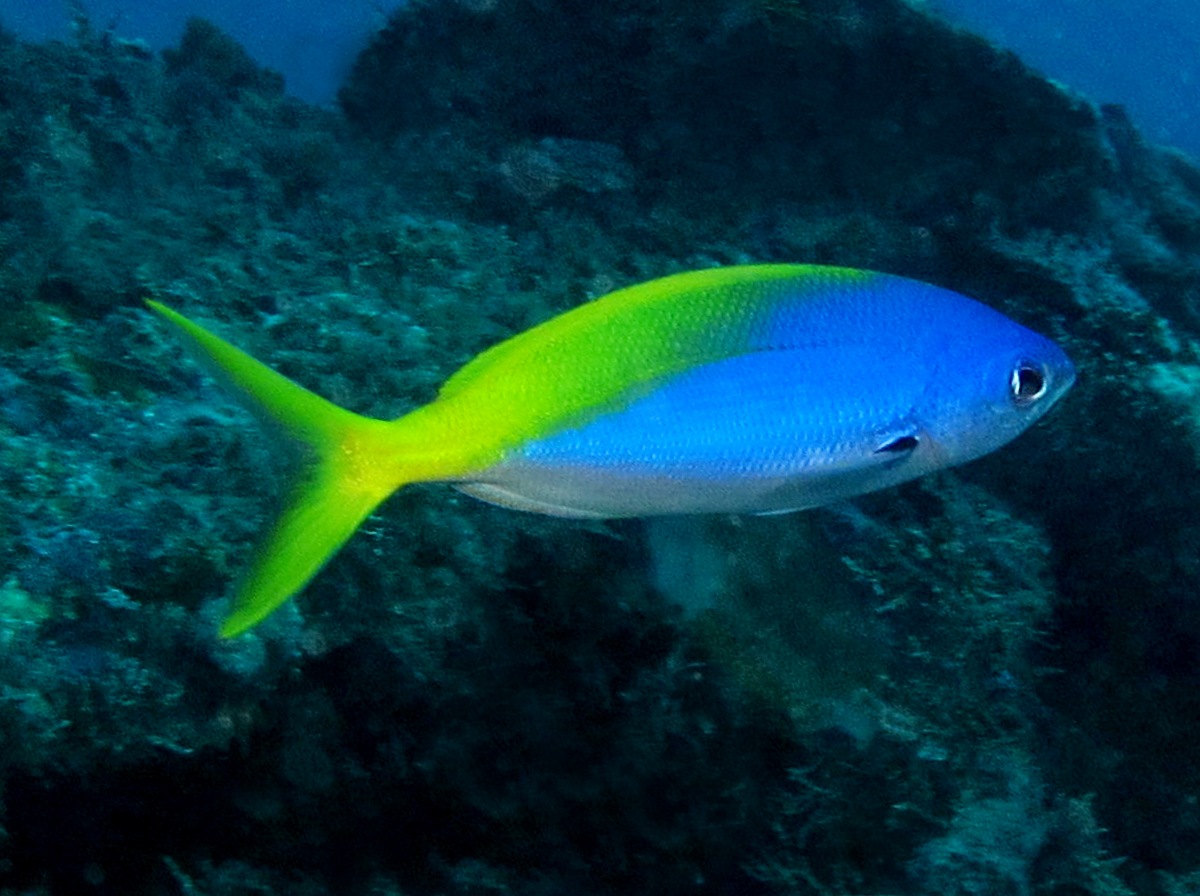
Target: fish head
{"points": [[996, 379]]}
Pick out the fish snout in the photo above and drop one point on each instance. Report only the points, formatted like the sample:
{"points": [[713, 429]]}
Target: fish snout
{"points": [[1036, 384]]}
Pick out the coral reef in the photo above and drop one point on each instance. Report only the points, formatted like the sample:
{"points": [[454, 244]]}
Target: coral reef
{"points": [[981, 683]]}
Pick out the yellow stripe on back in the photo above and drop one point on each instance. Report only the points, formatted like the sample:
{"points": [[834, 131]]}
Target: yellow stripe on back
{"points": [[573, 367]]}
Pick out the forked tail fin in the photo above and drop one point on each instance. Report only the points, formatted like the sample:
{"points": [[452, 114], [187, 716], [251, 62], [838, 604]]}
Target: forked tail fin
{"points": [[348, 475]]}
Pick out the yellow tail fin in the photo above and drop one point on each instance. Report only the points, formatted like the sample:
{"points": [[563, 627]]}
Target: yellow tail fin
{"points": [[348, 476]]}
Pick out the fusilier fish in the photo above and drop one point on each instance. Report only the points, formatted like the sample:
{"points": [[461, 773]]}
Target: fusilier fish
{"points": [[750, 389]]}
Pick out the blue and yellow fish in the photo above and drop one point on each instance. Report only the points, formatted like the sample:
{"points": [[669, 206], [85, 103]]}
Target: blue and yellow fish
{"points": [[752, 389]]}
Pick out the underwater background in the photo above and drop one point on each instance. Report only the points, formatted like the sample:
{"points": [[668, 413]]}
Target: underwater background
{"points": [[983, 682], [1144, 56]]}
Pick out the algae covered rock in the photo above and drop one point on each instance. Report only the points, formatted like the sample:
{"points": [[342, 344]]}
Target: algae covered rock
{"points": [[865, 105]]}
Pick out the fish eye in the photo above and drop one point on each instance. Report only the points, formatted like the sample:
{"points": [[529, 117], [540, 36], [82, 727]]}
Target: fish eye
{"points": [[1027, 383]]}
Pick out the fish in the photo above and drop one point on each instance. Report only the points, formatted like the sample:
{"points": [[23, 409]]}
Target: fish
{"points": [[748, 389]]}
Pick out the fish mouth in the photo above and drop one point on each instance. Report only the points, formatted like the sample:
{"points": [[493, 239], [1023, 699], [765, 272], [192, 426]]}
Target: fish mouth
{"points": [[1062, 378], [1067, 374]]}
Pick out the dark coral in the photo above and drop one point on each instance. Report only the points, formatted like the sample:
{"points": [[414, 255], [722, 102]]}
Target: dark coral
{"points": [[863, 105]]}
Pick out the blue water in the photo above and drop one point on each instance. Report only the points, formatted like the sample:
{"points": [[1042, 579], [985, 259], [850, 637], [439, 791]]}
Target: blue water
{"points": [[1143, 56], [313, 42]]}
